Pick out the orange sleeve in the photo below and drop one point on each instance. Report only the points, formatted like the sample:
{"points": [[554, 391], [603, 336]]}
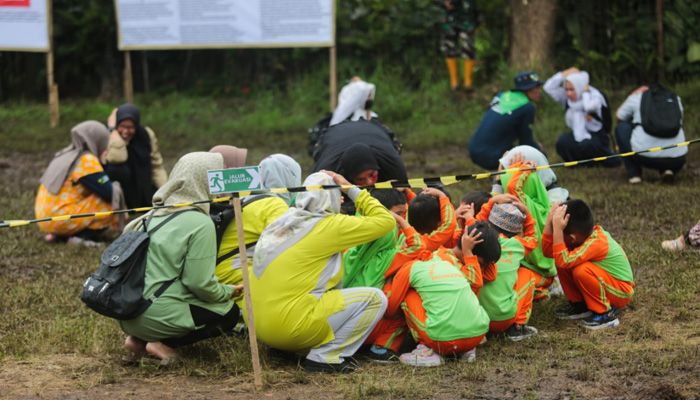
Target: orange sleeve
{"points": [[399, 287], [444, 232], [472, 271], [485, 211], [410, 195], [547, 241], [528, 239], [595, 248], [456, 237], [490, 273], [411, 248], [517, 181]]}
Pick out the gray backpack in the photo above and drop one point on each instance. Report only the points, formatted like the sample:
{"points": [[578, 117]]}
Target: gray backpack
{"points": [[116, 289]]}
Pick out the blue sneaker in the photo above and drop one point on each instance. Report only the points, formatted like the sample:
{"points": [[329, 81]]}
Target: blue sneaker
{"points": [[381, 355], [601, 321]]}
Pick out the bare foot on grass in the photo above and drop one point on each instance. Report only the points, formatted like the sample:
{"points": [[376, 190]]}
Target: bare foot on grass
{"points": [[165, 353], [135, 347]]}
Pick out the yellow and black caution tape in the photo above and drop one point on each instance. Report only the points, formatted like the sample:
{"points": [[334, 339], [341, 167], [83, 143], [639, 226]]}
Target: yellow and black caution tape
{"points": [[417, 183]]}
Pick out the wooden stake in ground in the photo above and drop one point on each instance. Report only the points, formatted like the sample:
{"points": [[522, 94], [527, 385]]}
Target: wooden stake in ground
{"points": [[333, 79], [128, 78], [257, 370], [51, 86]]}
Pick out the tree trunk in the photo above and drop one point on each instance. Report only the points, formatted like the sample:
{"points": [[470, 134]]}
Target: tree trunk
{"points": [[532, 31]]}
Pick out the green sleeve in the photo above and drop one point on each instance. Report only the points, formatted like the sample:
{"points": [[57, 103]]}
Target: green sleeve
{"points": [[198, 269], [373, 222]]}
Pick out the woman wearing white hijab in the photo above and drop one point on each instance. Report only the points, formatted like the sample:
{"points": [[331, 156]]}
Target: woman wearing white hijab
{"points": [[181, 255], [74, 183], [259, 211], [297, 272], [586, 111]]}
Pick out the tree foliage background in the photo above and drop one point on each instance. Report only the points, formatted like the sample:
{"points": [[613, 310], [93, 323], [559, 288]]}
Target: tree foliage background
{"points": [[614, 40]]}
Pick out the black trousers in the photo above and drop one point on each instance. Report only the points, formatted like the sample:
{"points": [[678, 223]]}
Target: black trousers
{"points": [[214, 325], [597, 146], [634, 164]]}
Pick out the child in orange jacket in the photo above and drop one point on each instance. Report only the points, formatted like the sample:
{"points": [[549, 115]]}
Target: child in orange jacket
{"points": [[434, 216], [593, 269]]}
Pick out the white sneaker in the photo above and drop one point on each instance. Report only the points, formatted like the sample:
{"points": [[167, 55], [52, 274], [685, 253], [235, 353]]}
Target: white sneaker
{"points": [[422, 356], [468, 357], [555, 289], [635, 179], [76, 241]]}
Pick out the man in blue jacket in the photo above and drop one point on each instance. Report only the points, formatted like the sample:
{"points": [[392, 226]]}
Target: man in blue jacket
{"points": [[509, 118]]}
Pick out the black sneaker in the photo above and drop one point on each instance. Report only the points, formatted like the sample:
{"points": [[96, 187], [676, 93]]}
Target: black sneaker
{"points": [[381, 355], [601, 321], [573, 311], [517, 332], [345, 367], [668, 176]]}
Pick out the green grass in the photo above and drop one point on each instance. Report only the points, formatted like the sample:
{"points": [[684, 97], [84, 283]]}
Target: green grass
{"points": [[51, 345]]}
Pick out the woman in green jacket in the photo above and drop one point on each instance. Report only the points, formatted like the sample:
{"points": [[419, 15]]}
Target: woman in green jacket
{"points": [[195, 306]]}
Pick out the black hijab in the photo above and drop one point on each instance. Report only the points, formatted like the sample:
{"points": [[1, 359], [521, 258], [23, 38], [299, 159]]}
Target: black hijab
{"points": [[139, 192], [357, 158]]}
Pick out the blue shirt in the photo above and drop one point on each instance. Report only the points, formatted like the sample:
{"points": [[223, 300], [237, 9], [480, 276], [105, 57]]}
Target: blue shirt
{"points": [[497, 133]]}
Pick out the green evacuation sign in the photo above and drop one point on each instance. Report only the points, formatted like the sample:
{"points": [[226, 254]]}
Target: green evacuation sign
{"points": [[233, 180]]}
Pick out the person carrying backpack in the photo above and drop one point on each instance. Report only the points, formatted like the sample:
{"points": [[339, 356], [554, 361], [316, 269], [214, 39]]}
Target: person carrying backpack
{"points": [[651, 116], [587, 115], [195, 306]]}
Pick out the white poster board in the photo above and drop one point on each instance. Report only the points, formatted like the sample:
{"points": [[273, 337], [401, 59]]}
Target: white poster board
{"points": [[196, 24], [24, 25]]}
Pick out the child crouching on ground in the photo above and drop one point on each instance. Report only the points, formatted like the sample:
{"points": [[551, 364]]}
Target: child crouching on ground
{"points": [[373, 264], [441, 310], [501, 298], [593, 269]]}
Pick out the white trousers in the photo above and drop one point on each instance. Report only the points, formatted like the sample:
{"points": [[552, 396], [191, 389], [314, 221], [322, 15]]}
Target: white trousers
{"points": [[364, 307]]}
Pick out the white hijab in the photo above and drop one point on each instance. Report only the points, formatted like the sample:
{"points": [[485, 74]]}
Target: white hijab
{"points": [[292, 226], [280, 171], [351, 102], [576, 114], [547, 176]]}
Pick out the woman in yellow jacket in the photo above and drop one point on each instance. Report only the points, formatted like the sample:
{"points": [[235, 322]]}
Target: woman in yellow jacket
{"points": [[297, 299]]}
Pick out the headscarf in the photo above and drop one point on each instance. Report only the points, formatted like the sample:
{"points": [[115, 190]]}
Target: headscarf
{"points": [[351, 102], [188, 181], [280, 171], [234, 157], [293, 225], [141, 190], [547, 176], [357, 158], [576, 115], [90, 136]]}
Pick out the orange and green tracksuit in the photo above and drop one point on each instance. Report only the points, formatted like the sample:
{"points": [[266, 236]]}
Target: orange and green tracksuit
{"points": [[597, 272], [537, 271], [470, 267], [389, 331], [501, 298], [440, 308]]}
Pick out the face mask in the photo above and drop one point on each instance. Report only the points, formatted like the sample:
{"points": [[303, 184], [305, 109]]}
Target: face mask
{"points": [[368, 104]]}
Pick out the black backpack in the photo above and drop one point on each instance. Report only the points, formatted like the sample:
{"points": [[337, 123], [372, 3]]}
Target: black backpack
{"points": [[116, 289], [222, 215], [316, 132], [661, 112]]}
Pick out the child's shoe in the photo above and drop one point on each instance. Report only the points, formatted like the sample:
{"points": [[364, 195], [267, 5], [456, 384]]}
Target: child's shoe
{"points": [[469, 356], [601, 321], [422, 356], [517, 332], [381, 355], [677, 244], [573, 311]]}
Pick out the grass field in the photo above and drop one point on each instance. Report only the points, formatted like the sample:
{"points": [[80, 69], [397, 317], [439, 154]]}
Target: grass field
{"points": [[51, 346]]}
